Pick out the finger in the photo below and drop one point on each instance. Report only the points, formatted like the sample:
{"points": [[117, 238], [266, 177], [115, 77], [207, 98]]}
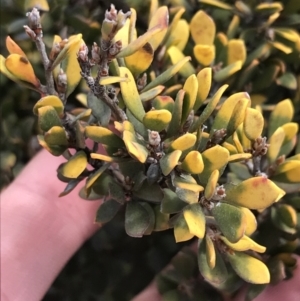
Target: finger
{"points": [[39, 230]]}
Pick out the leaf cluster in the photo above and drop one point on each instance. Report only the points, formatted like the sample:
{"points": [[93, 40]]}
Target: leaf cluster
{"points": [[165, 135]]}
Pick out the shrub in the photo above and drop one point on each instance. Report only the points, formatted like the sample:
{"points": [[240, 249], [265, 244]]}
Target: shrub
{"points": [[166, 134]]}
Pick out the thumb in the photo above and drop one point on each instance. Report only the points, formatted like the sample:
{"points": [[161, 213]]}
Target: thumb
{"points": [[39, 230]]}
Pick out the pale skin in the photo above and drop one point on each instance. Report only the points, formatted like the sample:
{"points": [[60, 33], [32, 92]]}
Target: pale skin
{"points": [[40, 232]]}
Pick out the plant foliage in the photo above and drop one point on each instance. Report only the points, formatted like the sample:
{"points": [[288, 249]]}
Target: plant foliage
{"points": [[165, 132]]}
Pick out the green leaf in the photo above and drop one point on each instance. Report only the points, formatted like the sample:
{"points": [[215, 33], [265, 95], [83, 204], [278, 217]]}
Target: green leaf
{"points": [[107, 211], [151, 193], [157, 120], [75, 166], [137, 219], [171, 203], [209, 108], [287, 80], [92, 178], [195, 219], [130, 94], [254, 193], [100, 110], [218, 274], [166, 75], [174, 126], [229, 70], [48, 118], [249, 268], [231, 221]]}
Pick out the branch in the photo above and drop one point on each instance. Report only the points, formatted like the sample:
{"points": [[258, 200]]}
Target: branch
{"points": [[35, 32]]}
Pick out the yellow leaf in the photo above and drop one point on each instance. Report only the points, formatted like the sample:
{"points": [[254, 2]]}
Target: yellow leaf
{"points": [[39, 4], [181, 230], [179, 35], [251, 223], [130, 95], [288, 172], [139, 42], [71, 66], [203, 28], [254, 193], [176, 56], [184, 142], [135, 149], [287, 33], [290, 129], [211, 185], [204, 78], [52, 101], [210, 252], [253, 124], [282, 113], [123, 34], [244, 244], [193, 163], [157, 120], [214, 158], [140, 60], [275, 142], [5, 71], [236, 51], [13, 47], [204, 54], [161, 19], [195, 219], [249, 268], [75, 166], [223, 116], [239, 157], [190, 87], [21, 68]]}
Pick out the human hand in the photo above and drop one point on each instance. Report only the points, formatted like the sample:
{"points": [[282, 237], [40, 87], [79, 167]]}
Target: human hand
{"points": [[40, 232]]}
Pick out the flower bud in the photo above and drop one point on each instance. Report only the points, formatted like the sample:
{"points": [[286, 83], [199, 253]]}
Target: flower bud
{"points": [[153, 138]]}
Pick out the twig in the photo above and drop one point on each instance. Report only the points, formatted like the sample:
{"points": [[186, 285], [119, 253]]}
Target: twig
{"points": [[35, 32]]}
